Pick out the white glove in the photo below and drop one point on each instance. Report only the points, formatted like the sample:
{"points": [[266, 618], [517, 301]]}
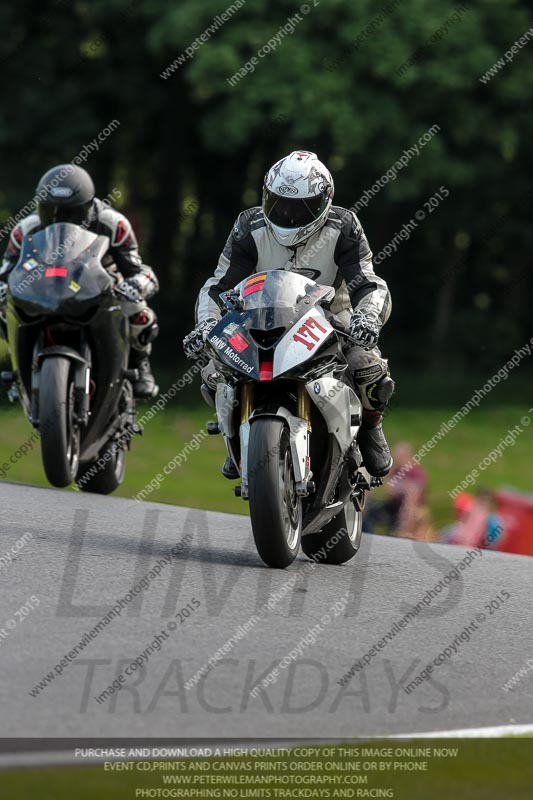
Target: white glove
{"points": [[193, 344]]}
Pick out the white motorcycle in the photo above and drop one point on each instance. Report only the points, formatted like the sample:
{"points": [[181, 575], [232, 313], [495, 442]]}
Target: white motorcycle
{"points": [[290, 418]]}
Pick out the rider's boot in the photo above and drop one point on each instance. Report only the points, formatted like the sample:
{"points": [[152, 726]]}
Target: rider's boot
{"points": [[208, 391], [374, 449], [145, 386]]}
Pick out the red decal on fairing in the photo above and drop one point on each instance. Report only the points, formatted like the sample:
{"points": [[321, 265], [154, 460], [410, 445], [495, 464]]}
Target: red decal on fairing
{"points": [[56, 272], [256, 287], [238, 342], [265, 371]]}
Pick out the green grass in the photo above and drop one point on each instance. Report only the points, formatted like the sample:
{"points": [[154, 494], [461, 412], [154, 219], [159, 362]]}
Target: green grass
{"points": [[198, 482], [486, 769]]}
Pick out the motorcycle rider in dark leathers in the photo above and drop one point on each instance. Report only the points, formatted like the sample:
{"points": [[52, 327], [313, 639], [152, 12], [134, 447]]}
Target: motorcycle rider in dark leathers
{"points": [[66, 193], [298, 229]]}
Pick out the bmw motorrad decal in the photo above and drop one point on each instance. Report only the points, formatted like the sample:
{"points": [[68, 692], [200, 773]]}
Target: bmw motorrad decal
{"points": [[30, 264], [316, 388], [229, 352], [217, 342]]}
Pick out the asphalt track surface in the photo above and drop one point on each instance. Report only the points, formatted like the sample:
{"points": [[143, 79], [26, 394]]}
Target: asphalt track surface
{"points": [[86, 551]]}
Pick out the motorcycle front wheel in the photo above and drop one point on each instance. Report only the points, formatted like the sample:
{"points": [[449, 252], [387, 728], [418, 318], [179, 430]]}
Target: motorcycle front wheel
{"points": [[339, 540], [60, 435], [275, 508]]}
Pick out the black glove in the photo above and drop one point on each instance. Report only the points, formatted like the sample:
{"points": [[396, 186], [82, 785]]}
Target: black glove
{"points": [[365, 328], [193, 344], [129, 290]]}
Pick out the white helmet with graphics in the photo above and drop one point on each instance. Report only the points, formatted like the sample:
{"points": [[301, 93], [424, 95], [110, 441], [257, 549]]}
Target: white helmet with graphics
{"points": [[297, 196]]}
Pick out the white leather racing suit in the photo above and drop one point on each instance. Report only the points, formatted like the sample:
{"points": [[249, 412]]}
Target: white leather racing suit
{"points": [[337, 255]]}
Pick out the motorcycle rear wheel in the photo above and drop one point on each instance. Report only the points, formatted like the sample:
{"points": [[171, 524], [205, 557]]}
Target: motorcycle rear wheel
{"points": [[106, 478], [275, 508], [60, 435]]}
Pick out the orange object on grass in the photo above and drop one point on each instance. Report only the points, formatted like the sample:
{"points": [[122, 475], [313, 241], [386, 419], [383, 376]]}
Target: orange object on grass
{"points": [[516, 512]]}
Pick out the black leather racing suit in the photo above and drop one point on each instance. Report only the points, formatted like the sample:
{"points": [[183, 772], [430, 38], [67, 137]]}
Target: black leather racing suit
{"points": [[122, 257]]}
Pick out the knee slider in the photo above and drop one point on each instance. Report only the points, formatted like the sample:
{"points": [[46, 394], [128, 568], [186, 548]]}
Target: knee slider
{"points": [[144, 327], [380, 392]]}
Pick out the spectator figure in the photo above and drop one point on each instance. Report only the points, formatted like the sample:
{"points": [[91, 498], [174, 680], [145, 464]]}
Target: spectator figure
{"points": [[477, 524], [402, 512]]}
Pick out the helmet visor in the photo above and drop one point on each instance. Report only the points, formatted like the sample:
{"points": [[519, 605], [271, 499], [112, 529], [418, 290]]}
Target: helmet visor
{"points": [[76, 215], [292, 212]]}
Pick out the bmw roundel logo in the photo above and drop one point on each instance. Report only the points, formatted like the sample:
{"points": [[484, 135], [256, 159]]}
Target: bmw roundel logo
{"points": [[316, 388]]}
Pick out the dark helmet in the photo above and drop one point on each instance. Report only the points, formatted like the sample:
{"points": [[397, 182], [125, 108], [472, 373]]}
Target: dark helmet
{"points": [[65, 194]]}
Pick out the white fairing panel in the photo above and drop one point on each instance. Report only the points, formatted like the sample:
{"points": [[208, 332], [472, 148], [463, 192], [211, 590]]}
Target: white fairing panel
{"points": [[301, 342], [337, 402]]}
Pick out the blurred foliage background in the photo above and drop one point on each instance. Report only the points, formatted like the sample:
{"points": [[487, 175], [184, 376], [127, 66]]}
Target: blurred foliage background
{"points": [[191, 149]]}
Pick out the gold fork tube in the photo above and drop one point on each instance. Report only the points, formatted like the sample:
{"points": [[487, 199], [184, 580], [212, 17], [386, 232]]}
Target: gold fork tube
{"points": [[303, 405], [247, 401]]}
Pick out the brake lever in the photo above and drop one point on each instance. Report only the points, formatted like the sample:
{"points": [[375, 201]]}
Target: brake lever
{"points": [[232, 300], [339, 326], [348, 336]]}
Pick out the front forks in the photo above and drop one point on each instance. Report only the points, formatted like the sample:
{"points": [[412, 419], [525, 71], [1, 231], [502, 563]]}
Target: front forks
{"points": [[303, 405], [247, 401]]}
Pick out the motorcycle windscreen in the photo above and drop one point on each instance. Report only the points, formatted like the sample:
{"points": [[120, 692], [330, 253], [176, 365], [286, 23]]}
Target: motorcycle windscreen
{"points": [[60, 271], [280, 289]]}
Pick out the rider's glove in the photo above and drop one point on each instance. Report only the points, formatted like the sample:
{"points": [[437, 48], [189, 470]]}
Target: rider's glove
{"points": [[129, 290], [365, 327], [193, 344], [145, 281]]}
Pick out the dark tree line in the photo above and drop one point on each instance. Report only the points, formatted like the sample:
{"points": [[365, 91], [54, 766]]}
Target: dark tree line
{"points": [[191, 149]]}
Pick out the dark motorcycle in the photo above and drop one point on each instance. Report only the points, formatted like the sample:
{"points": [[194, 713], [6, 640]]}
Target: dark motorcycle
{"points": [[69, 344]]}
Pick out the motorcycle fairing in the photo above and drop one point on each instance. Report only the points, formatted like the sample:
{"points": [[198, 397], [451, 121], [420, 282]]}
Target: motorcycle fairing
{"points": [[59, 271], [302, 341], [337, 402]]}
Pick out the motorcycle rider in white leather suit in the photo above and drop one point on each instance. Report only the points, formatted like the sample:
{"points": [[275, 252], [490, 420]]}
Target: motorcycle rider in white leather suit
{"points": [[298, 229]]}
